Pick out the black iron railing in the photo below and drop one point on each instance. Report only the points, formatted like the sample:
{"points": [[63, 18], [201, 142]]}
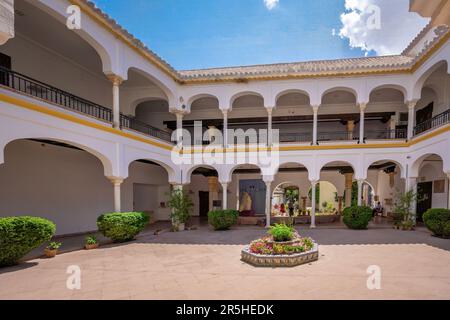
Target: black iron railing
{"points": [[24, 84], [38, 89], [386, 134], [295, 137], [134, 124], [437, 121], [336, 136]]}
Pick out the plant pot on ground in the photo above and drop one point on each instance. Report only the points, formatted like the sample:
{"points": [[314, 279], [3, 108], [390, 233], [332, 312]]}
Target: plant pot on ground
{"points": [[52, 249], [181, 205], [91, 243]]}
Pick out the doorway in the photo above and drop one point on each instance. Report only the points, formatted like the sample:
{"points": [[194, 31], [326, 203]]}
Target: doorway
{"points": [[425, 196], [203, 204]]}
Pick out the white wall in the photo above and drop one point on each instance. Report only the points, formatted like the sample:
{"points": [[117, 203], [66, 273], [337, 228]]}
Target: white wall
{"points": [[432, 171], [68, 186]]}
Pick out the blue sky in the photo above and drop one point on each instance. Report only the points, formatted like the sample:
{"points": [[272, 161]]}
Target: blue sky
{"points": [[193, 34]]}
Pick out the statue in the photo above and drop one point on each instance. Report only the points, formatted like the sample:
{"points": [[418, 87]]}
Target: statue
{"points": [[246, 203]]}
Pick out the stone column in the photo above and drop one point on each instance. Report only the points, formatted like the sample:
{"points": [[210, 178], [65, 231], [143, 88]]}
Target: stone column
{"points": [[6, 20], [304, 203], [360, 188], [411, 118], [117, 182], [224, 195], [348, 189], [225, 128], [350, 128], [313, 203], [340, 204], [269, 126], [213, 187], [116, 81], [315, 124], [268, 202], [362, 108]]}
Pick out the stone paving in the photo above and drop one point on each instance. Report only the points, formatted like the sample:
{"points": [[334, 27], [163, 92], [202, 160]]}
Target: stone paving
{"points": [[203, 264]]}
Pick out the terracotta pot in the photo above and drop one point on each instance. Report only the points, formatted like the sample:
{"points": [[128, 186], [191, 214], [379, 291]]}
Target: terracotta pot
{"points": [[91, 246], [51, 253]]}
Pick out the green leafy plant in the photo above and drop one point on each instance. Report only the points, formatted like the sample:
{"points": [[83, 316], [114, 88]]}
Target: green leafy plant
{"points": [[122, 227], [181, 205], [317, 193], [91, 240], [357, 217], [403, 206], [20, 235], [222, 219], [281, 233], [438, 222], [54, 245]]}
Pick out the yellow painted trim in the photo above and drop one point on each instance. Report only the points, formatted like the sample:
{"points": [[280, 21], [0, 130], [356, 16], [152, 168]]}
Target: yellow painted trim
{"points": [[61, 115], [69, 117], [107, 25]]}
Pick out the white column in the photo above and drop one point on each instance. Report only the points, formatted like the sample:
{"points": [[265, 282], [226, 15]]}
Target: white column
{"points": [[225, 128], [179, 116], [315, 124], [268, 202], [117, 182], [116, 81], [269, 127], [411, 118], [360, 187], [313, 203], [362, 108], [224, 195], [6, 20]]}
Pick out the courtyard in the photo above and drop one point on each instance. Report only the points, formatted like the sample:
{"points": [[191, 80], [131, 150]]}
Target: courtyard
{"points": [[203, 264]]}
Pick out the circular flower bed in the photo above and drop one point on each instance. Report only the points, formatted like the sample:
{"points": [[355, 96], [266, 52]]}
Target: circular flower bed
{"points": [[267, 252]]}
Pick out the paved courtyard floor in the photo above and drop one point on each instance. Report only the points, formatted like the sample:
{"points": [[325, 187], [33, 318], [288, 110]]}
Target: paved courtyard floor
{"points": [[203, 264]]}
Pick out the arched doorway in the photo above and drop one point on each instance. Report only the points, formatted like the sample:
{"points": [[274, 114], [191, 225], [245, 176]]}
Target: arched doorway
{"points": [[286, 200]]}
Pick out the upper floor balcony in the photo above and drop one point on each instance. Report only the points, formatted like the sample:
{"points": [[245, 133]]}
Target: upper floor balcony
{"points": [[52, 63]]}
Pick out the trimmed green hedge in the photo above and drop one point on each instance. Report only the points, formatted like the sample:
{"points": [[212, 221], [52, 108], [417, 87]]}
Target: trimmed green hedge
{"points": [[357, 218], [20, 235], [438, 222], [122, 227], [223, 219]]}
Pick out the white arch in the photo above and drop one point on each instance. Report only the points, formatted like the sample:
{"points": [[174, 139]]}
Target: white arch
{"points": [[190, 170], [423, 77], [371, 159], [418, 161], [397, 87], [339, 88], [289, 91], [107, 163], [245, 93], [153, 78], [228, 172], [201, 96], [287, 162], [172, 172]]}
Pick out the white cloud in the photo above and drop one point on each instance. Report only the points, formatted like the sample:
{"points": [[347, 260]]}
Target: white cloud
{"points": [[270, 4], [383, 26]]}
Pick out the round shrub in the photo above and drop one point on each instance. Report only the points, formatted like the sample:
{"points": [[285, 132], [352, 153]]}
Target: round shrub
{"points": [[357, 218], [20, 235], [122, 227], [281, 233], [438, 222], [222, 219]]}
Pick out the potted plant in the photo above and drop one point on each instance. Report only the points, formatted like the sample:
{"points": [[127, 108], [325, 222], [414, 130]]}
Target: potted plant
{"points": [[52, 249], [91, 243], [181, 206], [403, 217]]}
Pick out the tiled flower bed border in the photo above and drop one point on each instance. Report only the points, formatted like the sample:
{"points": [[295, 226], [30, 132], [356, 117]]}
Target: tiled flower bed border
{"points": [[291, 260]]}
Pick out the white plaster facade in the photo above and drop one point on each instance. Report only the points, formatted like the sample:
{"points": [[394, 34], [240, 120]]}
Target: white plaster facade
{"points": [[102, 64]]}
